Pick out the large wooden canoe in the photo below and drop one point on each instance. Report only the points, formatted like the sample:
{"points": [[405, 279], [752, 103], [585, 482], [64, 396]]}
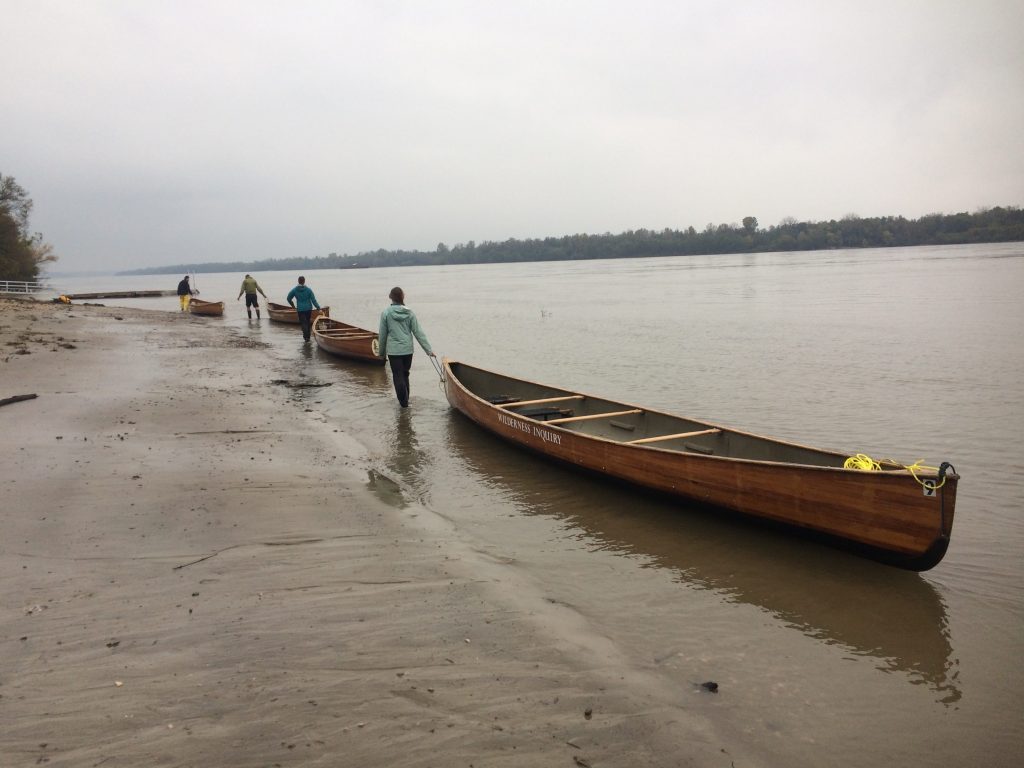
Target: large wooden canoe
{"points": [[285, 313], [200, 307], [901, 517], [346, 340]]}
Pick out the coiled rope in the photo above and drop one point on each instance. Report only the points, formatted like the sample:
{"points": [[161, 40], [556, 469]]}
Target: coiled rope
{"points": [[865, 463]]}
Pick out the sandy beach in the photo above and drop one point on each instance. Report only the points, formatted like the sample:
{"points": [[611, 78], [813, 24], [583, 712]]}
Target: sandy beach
{"points": [[200, 569]]}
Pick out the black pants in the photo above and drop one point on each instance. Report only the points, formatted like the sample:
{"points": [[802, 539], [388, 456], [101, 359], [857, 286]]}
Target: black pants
{"points": [[400, 365], [304, 322]]}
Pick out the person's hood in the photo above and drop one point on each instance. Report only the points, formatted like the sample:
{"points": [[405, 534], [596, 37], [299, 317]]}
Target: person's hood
{"points": [[400, 310]]}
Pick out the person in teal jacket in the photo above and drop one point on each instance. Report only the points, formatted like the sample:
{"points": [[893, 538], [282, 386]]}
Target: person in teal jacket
{"points": [[398, 327], [304, 301]]}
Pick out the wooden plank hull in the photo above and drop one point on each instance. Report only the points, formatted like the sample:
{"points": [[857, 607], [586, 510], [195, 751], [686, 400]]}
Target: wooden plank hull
{"points": [[346, 340], [886, 514], [208, 308], [284, 313]]}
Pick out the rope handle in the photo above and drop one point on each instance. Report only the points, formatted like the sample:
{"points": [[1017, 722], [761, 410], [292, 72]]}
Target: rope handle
{"points": [[437, 367]]}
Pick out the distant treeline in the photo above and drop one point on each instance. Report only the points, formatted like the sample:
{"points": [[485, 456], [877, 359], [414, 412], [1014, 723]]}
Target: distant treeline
{"points": [[994, 225]]}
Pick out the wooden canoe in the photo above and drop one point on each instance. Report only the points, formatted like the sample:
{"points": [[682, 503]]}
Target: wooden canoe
{"points": [[285, 313], [900, 517], [346, 340], [210, 308]]}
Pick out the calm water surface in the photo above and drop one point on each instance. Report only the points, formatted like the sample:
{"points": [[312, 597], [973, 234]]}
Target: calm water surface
{"points": [[822, 658]]}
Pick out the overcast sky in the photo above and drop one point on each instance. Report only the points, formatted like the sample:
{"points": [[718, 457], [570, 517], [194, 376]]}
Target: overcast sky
{"points": [[153, 133]]}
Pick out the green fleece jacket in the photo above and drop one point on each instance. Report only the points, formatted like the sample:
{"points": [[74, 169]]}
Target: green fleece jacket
{"points": [[249, 285], [398, 326]]}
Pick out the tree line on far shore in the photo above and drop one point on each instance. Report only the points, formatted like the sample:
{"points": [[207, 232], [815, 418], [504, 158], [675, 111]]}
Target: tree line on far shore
{"points": [[992, 225], [22, 252]]}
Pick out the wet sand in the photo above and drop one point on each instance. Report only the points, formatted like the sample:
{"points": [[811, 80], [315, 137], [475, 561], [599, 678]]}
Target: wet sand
{"points": [[200, 569]]}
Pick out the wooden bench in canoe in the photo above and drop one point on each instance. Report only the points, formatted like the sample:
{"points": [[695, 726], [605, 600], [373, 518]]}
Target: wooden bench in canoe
{"points": [[208, 308], [900, 517], [346, 340], [285, 313]]}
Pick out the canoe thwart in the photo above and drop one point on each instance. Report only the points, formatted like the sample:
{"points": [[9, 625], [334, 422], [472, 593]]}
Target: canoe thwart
{"points": [[676, 436], [591, 416], [541, 401]]}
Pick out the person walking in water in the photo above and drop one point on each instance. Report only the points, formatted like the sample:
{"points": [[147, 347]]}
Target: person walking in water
{"points": [[185, 293], [304, 301], [249, 288], [398, 326]]}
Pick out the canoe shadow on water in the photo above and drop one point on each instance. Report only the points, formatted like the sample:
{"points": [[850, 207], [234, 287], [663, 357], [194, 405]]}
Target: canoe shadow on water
{"points": [[874, 610]]}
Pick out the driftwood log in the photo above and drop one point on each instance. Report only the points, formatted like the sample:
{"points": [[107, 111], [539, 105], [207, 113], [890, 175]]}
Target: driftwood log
{"points": [[18, 399]]}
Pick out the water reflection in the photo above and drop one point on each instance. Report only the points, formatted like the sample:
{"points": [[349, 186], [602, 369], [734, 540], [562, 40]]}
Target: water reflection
{"points": [[894, 617], [352, 373], [403, 454], [385, 489]]}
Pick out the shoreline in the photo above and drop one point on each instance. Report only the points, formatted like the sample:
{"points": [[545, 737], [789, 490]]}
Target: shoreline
{"points": [[202, 569]]}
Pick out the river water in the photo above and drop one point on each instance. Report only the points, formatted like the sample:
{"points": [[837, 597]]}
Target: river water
{"points": [[822, 658]]}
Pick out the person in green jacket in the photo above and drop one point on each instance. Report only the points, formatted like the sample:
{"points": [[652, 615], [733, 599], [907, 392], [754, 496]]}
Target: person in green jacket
{"points": [[398, 327], [249, 288]]}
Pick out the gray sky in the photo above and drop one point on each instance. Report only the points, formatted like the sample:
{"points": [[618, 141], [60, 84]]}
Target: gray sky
{"points": [[153, 132]]}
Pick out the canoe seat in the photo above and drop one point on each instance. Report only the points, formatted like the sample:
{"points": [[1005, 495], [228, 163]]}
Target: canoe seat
{"points": [[698, 448], [503, 399], [543, 413]]}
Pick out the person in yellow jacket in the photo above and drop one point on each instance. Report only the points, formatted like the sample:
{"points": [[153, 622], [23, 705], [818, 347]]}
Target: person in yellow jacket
{"points": [[249, 288], [185, 293]]}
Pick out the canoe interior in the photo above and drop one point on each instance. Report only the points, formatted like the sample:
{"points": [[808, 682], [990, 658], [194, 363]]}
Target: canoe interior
{"points": [[629, 427], [336, 327]]}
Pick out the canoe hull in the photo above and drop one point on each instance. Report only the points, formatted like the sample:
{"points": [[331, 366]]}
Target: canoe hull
{"points": [[887, 515], [348, 341], [206, 308], [283, 313]]}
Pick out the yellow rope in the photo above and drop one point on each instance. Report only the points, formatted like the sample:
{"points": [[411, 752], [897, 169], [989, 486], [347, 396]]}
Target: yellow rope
{"points": [[865, 463], [917, 466]]}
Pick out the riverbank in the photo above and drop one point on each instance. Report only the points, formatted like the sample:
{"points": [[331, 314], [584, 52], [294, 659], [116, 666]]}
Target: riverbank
{"points": [[201, 569]]}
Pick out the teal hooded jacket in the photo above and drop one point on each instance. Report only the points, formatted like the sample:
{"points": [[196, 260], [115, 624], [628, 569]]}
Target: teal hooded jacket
{"points": [[304, 298], [398, 326]]}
